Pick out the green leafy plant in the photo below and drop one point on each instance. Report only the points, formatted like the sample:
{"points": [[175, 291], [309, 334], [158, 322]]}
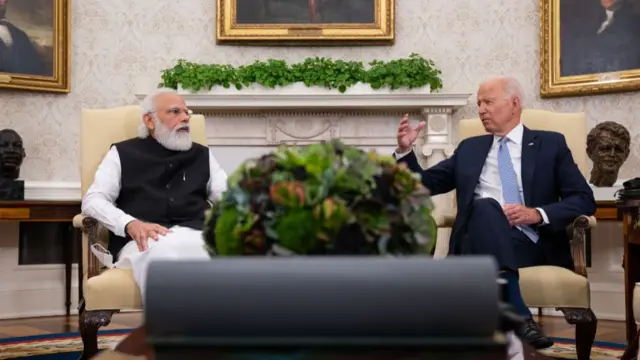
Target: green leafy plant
{"points": [[412, 72], [327, 73], [321, 199]]}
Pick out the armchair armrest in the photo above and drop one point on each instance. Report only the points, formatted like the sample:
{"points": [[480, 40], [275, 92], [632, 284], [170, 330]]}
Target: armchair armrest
{"points": [[587, 222], [88, 225], [444, 221], [77, 221], [578, 235], [91, 233]]}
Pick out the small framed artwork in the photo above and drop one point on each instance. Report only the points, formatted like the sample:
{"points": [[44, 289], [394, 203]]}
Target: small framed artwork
{"points": [[304, 22], [589, 47], [34, 45]]}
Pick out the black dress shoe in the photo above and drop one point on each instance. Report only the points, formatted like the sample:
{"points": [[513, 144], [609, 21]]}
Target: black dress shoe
{"points": [[531, 334]]}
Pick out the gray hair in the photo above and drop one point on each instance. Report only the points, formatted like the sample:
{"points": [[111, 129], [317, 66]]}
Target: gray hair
{"points": [[512, 88], [148, 106]]}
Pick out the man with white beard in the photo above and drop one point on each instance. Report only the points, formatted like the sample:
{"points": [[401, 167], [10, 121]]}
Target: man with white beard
{"points": [[151, 192]]}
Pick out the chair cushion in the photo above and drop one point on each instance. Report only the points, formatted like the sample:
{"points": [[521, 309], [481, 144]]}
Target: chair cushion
{"points": [[114, 289], [553, 287]]}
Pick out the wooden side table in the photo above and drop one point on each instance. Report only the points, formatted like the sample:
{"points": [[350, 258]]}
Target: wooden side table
{"points": [[607, 211], [631, 232], [49, 211]]}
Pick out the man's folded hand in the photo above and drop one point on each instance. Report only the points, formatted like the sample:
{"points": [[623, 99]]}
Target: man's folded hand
{"points": [[521, 215], [141, 231]]}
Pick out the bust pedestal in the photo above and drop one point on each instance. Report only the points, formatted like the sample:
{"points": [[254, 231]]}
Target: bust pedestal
{"points": [[11, 190]]}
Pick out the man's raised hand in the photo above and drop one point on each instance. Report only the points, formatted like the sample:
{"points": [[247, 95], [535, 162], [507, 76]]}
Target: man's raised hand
{"points": [[407, 134]]}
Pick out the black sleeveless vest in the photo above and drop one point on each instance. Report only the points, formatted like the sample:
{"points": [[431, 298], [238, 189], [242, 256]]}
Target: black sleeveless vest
{"points": [[162, 186]]}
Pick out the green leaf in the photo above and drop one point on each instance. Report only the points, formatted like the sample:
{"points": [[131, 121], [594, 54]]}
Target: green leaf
{"points": [[412, 72]]}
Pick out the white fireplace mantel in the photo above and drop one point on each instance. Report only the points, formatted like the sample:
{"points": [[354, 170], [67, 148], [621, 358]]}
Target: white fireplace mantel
{"points": [[328, 101], [271, 118]]}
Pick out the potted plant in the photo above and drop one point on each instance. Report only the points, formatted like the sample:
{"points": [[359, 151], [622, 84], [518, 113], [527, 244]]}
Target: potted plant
{"points": [[317, 76], [322, 199]]}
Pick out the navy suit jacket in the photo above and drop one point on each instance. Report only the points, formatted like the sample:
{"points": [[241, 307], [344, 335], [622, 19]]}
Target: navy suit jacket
{"points": [[551, 180]]}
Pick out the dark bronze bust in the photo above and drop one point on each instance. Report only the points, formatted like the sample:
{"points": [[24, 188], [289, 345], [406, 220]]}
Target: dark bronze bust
{"points": [[11, 155], [608, 147]]}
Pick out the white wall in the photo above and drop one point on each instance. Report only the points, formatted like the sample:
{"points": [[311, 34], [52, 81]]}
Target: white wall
{"points": [[33, 290], [606, 274]]}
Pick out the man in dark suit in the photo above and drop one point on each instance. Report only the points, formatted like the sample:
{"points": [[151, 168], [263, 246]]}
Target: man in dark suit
{"points": [[18, 55], [517, 191]]}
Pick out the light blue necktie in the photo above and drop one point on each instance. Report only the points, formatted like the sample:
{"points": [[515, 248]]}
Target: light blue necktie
{"points": [[509, 180]]}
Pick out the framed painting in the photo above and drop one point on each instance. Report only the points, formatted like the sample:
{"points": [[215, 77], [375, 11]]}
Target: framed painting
{"points": [[589, 47], [34, 45], [303, 22]]}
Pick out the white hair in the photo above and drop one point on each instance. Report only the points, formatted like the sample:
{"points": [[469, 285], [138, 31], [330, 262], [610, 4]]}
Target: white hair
{"points": [[148, 106], [512, 88]]}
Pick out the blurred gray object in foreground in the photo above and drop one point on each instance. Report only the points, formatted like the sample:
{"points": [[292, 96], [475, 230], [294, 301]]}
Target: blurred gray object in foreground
{"points": [[442, 307]]}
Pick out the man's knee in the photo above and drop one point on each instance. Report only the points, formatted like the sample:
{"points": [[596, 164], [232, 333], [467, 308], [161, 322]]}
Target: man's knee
{"points": [[486, 205], [488, 212]]}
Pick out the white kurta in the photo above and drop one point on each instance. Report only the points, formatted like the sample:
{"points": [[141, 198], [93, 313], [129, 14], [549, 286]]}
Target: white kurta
{"points": [[182, 243]]}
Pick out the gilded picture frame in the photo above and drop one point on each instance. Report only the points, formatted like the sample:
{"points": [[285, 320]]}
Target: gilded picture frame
{"points": [[305, 22], [35, 44], [584, 52]]}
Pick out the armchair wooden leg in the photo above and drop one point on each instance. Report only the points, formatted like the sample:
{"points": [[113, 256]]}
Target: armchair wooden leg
{"points": [[90, 322], [540, 317], [632, 349], [586, 325]]}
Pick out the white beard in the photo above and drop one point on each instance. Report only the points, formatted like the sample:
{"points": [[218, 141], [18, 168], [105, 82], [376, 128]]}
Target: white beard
{"points": [[173, 139]]}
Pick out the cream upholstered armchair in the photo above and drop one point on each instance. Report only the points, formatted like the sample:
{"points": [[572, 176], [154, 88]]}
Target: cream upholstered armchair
{"points": [[106, 292], [550, 286]]}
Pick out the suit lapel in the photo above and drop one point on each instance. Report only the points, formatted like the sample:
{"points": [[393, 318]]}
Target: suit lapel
{"points": [[530, 146]]}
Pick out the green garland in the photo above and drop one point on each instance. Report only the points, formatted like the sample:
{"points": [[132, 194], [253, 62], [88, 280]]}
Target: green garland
{"points": [[412, 72]]}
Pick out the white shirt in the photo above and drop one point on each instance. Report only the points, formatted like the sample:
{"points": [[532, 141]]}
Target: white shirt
{"points": [[5, 35], [608, 21], [489, 184], [99, 201]]}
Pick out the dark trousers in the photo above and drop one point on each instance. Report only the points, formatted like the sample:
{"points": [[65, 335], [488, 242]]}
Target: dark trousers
{"points": [[489, 233]]}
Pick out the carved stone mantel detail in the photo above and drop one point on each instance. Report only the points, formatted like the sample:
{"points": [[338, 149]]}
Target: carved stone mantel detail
{"points": [[299, 130], [438, 132]]}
